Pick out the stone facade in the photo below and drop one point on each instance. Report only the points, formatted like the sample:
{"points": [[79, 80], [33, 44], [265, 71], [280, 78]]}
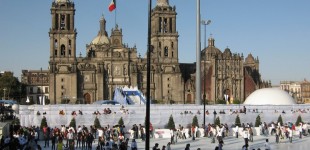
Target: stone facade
{"points": [[109, 63], [225, 74], [37, 82]]}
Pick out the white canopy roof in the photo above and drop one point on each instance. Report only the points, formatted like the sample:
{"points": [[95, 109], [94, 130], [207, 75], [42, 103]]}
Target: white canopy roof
{"points": [[270, 96]]}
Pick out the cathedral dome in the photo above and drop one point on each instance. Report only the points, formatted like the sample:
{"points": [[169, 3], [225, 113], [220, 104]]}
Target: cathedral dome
{"points": [[211, 49], [62, 1], [100, 39], [270, 96]]}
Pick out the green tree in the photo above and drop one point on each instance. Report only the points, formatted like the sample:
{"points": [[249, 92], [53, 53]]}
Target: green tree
{"points": [[43, 122], [97, 123], [299, 120], [257, 121], [16, 121], [73, 123], [121, 121], [217, 121], [11, 85], [195, 121], [235, 101], [171, 124], [220, 101], [237, 121], [280, 120]]}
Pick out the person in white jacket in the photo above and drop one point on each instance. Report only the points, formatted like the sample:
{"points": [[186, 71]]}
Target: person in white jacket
{"points": [[237, 130], [300, 130], [290, 134]]}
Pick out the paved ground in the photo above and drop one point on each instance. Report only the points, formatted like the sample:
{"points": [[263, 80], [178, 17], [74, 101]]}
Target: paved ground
{"points": [[230, 143]]}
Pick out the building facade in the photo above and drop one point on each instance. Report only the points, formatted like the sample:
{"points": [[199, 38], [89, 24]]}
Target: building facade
{"points": [[109, 63], [37, 82], [305, 92], [225, 76]]}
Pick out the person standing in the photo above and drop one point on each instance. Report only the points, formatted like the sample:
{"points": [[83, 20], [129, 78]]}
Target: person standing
{"points": [[266, 145], [134, 145], [59, 144], [171, 136], [169, 146], [300, 130], [290, 134], [53, 139], [187, 147], [237, 130], [193, 132], [90, 139], [155, 147], [46, 133], [278, 132], [251, 134], [246, 136]]}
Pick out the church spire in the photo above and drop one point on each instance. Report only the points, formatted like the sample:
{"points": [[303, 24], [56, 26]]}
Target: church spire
{"points": [[162, 2]]}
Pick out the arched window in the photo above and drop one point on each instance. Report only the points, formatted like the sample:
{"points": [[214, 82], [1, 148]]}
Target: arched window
{"points": [[172, 44], [69, 43], [62, 50], [172, 54], [166, 51], [62, 22], [55, 43]]}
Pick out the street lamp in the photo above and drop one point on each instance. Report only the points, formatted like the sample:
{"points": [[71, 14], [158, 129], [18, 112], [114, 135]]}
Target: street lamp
{"points": [[205, 23], [42, 94]]}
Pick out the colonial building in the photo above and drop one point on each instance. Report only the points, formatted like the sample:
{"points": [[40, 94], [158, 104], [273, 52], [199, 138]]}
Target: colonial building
{"points": [[37, 82], [293, 88], [305, 91], [225, 76], [109, 63]]}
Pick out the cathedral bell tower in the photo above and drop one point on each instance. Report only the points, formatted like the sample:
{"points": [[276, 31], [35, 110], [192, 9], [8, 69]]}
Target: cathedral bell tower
{"points": [[62, 33], [164, 36], [63, 65]]}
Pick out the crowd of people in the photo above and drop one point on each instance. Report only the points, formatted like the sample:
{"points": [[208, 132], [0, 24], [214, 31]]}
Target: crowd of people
{"points": [[116, 137]]}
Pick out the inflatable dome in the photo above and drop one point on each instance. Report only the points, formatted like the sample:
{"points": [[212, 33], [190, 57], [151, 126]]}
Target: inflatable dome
{"points": [[269, 96]]}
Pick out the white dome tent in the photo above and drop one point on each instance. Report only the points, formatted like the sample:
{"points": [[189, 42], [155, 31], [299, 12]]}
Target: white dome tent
{"points": [[269, 96]]}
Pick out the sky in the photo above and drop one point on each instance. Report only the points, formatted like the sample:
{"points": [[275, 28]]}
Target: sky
{"points": [[275, 31]]}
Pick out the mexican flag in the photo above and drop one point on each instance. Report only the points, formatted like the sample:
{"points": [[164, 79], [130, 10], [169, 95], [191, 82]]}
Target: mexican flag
{"points": [[112, 5]]}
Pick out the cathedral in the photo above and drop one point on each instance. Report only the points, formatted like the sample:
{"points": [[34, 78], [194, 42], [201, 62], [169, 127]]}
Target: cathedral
{"points": [[109, 64]]}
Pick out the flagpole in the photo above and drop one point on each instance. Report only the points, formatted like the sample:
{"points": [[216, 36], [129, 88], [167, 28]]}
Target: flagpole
{"points": [[115, 13], [198, 50]]}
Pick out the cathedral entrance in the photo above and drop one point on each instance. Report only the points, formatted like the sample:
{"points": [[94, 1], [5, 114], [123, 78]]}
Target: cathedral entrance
{"points": [[189, 99], [87, 98]]}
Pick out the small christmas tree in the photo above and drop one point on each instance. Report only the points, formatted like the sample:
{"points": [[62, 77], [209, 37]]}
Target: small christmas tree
{"points": [[171, 124], [43, 122], [217, 121], [72, 123], [298, 121], [257, 121], [17, 122], [237, 121], [195, 121], [97, 123], [120, 121], [280, 120]]}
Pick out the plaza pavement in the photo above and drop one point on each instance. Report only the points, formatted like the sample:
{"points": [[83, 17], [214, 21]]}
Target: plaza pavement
{"points": [[230, 143]]}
